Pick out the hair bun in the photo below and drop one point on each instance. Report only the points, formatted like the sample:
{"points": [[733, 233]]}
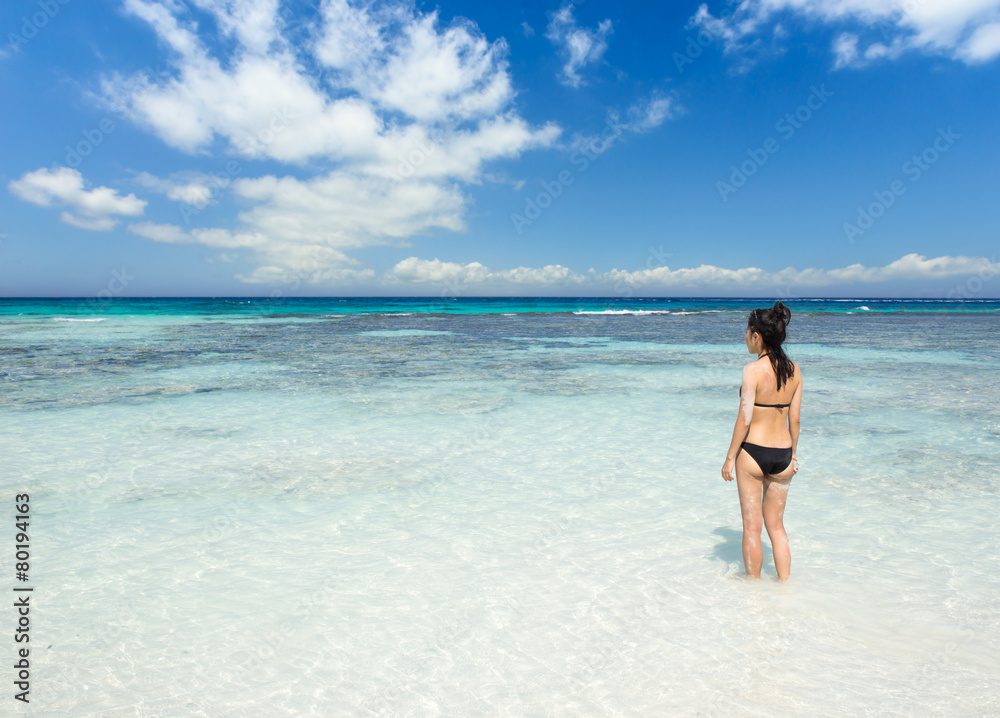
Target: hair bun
{"points": [[781, 312]]}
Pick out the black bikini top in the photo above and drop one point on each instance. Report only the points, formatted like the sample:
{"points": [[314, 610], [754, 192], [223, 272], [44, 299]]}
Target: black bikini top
{"points": [[773, 406]]}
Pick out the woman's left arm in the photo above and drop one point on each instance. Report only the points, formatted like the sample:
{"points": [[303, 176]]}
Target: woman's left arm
{"points": [[748, 392]]}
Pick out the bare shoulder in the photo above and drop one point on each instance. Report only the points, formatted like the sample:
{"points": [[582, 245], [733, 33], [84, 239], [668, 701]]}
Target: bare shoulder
{"points": [[754, 374], [752, 370]]}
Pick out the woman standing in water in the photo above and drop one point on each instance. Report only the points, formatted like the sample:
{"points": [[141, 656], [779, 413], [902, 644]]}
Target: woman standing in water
{"points": [[762, 452]]}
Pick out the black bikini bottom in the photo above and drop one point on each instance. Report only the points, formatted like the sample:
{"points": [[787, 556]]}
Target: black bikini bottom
{"points": [[770, 460]]}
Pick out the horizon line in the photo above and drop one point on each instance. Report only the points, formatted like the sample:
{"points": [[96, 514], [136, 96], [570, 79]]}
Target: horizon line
{"points": [[499, 297]]}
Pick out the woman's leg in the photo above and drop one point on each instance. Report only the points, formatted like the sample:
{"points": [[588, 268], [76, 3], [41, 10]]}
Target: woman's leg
{"points": [[775, 496], [749, 483]]}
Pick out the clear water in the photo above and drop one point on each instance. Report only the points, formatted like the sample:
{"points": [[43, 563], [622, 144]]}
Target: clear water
{"points": [[496, 508]]}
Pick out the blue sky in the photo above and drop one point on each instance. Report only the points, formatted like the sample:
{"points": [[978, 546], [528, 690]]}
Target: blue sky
{"points": [[781, 148]]}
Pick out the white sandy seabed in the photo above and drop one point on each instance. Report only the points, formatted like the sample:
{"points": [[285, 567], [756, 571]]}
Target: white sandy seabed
{"points": [[455, 546]]}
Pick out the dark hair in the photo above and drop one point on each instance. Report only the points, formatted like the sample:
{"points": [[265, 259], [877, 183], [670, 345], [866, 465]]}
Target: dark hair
{"points": [[770, 324]]}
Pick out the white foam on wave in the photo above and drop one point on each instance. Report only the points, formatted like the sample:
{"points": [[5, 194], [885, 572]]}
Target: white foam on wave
{"points": [[77, 319], [625, 311]]}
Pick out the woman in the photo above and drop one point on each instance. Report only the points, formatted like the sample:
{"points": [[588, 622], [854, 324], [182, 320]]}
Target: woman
{"points": [[765, 437]]}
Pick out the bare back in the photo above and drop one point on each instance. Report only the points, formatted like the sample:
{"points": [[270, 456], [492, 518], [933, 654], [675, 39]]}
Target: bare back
{"points": [[769, 425]]}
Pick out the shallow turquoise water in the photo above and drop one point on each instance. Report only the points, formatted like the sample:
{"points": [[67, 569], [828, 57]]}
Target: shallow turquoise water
{"points": [[402, 511]]}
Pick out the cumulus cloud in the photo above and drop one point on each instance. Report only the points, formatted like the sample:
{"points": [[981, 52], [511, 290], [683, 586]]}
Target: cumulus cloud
{"points": [[348, 210], [271, 104], [475, 277], [872, 29], [94, 208], [385, 111], [579, 46]]}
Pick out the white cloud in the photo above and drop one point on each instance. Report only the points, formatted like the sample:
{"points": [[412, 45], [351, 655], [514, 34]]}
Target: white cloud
{"points": [[191, 188], [271, 105], [222, 257], [66, 187], [193, 193], [645, 115], [984, 45], [580, 46], [650, 113], [845, 50], [216, 238], [474, 277], [966, 30], [254, 23], [94, 224], [421, 271], [432, 76], [300, 229], [169, 233], [909, 267], [398, 109]]}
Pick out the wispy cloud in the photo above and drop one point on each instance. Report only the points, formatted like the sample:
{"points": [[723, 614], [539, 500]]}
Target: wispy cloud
{"points": [[644, 115], [580, 46], [872, 30]]}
